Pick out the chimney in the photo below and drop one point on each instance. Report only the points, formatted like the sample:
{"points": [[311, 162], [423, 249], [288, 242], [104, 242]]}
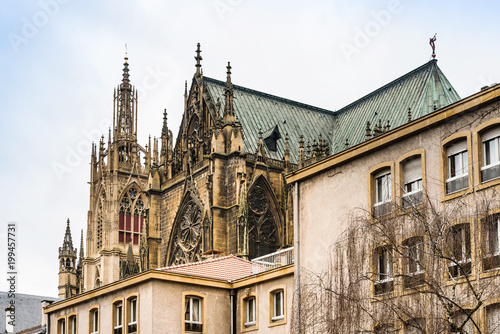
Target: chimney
{"points": [[10, 319], [45, 317]]}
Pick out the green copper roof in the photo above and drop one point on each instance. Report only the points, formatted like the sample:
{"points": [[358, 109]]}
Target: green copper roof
{"points": [[424, 90], [256, 110]]}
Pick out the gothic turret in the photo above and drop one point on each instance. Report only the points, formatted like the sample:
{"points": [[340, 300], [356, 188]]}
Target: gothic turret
{"points": [[67, 266]]}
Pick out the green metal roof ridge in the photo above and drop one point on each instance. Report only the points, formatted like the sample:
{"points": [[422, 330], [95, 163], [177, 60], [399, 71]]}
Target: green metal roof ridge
{"points": [[390, 84], [273, 97]]}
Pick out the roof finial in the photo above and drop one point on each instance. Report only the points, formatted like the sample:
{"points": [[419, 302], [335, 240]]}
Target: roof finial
{"points": [[126, 52], [198, 58], [433, 46], [164, 130], [409, 114], [228, 103]]}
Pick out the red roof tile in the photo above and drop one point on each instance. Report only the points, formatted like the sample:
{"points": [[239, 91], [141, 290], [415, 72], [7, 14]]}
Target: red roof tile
{"points": [[228, 268]]}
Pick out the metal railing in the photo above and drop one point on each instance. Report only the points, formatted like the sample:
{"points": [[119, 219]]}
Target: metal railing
{"points": [[273, 260]]}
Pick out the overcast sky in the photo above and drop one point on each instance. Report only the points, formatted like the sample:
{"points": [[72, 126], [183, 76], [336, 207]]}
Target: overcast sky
{"points": [[61, 60]]}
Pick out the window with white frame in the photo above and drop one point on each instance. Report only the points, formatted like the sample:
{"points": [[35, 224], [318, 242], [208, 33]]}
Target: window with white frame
{"points": [[384, 273], [491, 232], [383, 192], [250, 311], [192, 314], [458, 239], [458, 166], [412, 181], [132, 315], [94, 321], [72, 324], [118, 318], [414, 256], [491, 154], [278, 307]]}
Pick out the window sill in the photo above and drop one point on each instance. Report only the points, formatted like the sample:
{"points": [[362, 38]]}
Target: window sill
{"points": [[488, 184], [277, 322]]}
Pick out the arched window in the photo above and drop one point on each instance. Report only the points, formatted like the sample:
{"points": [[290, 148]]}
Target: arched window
{"points": [[131, 216], [263, 234]]}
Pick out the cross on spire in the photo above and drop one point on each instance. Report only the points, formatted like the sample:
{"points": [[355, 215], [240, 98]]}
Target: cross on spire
{"points": [[198, 58]]}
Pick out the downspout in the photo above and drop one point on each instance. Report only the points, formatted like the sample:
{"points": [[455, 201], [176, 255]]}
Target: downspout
{"points": [[232, 295], [296, 251]]}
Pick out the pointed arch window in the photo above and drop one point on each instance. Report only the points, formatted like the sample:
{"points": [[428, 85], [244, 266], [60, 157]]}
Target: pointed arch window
{"points": [[263, 234], [131, 216]]}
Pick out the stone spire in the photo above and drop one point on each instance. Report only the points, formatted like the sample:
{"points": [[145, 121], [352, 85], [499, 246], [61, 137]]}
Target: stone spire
{"points": [[82, 255], [67, 247], [228, 103], [198, 59]]}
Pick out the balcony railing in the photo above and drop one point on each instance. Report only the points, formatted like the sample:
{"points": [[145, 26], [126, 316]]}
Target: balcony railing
{"points": [[273, 260]]}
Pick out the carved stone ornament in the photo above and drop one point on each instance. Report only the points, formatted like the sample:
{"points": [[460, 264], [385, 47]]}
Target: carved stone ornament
{"points": [[187, 235], [257, 200]]}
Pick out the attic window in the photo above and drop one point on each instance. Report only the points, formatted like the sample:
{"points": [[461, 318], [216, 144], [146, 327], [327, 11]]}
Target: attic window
{"points": [[271, 139]]}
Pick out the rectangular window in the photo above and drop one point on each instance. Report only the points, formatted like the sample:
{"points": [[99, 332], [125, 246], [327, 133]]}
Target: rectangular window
{"points": [[383, 193], [250, 312], [118, 318], [462, 320], [491, 234], [384, 278], [412, 182], [94, 321], [192, 315], [491, 154], [493, 318], [132, 317], [414, 257], [278, 307], [458, 167], [458, 239]]}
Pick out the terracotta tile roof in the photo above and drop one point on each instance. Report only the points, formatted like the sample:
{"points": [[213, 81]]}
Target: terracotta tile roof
{"points": [[227, 268]]}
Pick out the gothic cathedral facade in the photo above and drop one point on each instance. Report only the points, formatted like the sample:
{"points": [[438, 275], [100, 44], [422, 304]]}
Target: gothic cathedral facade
{"points": [[181, 200]]}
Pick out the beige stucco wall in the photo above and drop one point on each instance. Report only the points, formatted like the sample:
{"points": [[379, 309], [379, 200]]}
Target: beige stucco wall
{"points": [[329, 199], [262, 292], [161, 302]]}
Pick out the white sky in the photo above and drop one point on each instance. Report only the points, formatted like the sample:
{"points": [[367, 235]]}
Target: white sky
{"points": [[61, 60]]}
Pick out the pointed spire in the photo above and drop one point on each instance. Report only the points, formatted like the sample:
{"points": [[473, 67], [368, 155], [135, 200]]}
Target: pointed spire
{"points": [[80, 259], [68, 241], [228, 104], [368, 131], [126, 76], [287, 148], [198, 59], [164, 129]]}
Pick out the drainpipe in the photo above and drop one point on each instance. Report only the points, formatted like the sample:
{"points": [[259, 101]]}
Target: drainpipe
{"points": [[232, 295], [296, 251]]}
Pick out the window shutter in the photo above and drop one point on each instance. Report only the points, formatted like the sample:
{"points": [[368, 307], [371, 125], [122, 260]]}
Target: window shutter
{"points": [[412, 170], [382, 172], [490, 134], [456, 147]]}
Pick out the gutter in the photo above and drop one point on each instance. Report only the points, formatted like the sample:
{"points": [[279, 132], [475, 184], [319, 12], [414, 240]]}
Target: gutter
{"points": [[296, 251]]}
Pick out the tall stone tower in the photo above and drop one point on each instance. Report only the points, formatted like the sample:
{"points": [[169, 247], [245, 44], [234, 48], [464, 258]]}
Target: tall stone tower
{"points": [[117, 215], [68, 278]]}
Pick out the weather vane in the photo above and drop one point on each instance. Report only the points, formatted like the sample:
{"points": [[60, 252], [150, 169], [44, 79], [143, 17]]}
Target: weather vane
{"points": [[433, 46]]}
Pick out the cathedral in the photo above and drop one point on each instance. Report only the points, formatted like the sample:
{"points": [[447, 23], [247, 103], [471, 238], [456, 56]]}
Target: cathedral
{"points": [[219, 188]]}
